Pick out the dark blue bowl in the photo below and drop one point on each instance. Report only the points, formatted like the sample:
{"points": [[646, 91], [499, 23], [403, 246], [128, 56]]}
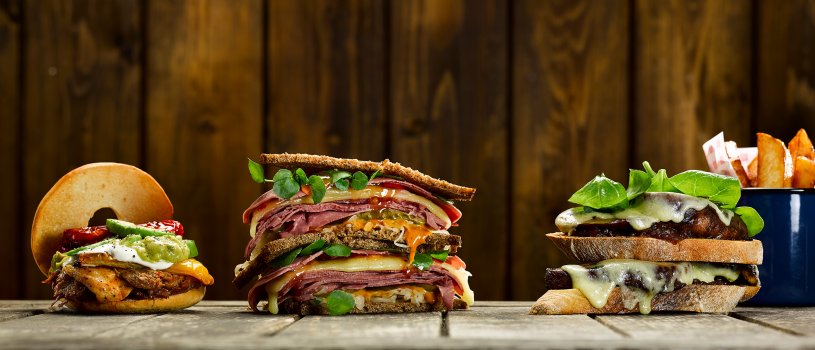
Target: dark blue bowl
{"points": [[788, 272]]}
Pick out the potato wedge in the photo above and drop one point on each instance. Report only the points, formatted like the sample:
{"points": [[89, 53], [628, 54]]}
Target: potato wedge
{"points": [[804, 174], [740, 173], [774, 163], [801, 145], [752, 172]]}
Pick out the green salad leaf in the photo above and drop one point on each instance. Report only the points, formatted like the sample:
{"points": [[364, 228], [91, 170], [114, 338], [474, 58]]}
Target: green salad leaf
{"points": [[337, 250], [422, 261], [313, 247], [256, 172], [601, 193], [317, 188], [638, 182], [359, 180], [721, 189], [660, 183], [441, 256], [751, 219], [300, 177], [287, 259], [339, 303]]}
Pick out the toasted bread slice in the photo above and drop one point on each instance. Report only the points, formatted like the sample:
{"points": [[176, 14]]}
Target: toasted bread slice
{"points": [[311, 162], [692, 298], [593, 249], [309, 308], [355, 239]]}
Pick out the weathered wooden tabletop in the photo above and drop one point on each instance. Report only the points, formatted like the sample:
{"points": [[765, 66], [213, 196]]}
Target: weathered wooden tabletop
{"points": [[229, 324]]}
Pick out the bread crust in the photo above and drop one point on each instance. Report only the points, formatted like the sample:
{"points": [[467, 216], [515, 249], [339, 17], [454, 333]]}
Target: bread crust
{"points": [[386, 167], [143, 306], [309, 308], [593, 249], [691, 298], [131, 193]]}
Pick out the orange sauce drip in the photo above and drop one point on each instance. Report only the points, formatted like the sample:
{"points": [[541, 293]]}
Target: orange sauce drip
{"points": [[415, 235]]}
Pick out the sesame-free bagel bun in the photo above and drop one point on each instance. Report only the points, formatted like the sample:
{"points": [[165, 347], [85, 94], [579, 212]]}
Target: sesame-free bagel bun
{"points": [[144, 306], [131, 193]]}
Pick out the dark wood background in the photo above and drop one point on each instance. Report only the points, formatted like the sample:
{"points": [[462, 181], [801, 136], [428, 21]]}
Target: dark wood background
{"points": [[525, 100]]}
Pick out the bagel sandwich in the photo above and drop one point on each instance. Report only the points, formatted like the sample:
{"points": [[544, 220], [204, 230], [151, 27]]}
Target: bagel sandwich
{"points": [[138, 263]]}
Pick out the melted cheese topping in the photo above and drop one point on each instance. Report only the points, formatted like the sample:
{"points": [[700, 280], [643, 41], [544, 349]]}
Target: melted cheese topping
{"points": [[596, 286], [192, 268], [414, 235], [653, 207], [357, 264]]}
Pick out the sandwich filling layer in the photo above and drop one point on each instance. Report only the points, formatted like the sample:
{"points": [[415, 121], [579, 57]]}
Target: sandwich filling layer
{"points": [[664, 215], [639, 281]]}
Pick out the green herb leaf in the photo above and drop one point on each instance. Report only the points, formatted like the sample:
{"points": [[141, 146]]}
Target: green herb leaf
{"points": [[751, 219], [337, 250], [442, 255], [648, 169], [282, 174], [317, 188], [601, 193], [342, 185], [287, 259], [422, 261], [338, 175], [359, 180], [313, 247], [721, 189], [256, 172], [375, 174], [339, 303], [660, 183], [638, 183], [300, 177], [286, 187]]}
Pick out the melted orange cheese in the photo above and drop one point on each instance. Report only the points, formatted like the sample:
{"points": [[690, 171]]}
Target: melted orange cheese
{"points": [[415, 235], [192, 268]]}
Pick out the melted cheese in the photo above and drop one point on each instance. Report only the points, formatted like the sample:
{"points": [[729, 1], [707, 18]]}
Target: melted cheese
{"points": [[413, 236], [361, 263], [653, 207], [192, 268], [609, 274]]}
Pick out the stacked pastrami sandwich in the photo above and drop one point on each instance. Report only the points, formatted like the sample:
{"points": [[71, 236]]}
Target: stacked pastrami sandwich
{"points": [[664, 244], [338, 236]]}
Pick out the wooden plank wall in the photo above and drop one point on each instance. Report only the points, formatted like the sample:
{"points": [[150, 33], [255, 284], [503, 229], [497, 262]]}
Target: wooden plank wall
{"points": [[525, 100]]}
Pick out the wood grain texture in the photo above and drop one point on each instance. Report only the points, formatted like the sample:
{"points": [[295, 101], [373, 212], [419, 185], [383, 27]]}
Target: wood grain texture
{"points": [[449, 62], [570, 120], [326, 78], [492, 323], [692, 79], [82, 99], [384, 327], [786, 73], [800, 321], [204, 112], [11, 253]]}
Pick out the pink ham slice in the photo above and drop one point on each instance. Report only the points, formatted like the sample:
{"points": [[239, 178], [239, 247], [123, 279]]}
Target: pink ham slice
{"points": [[307, 284]]}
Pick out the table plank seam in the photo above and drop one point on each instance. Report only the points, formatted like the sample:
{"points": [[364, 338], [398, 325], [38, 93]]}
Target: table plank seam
{"points": [[765, 324], [275, 332], [22, 314], [444, 329], [138, 320], [610, 326]]}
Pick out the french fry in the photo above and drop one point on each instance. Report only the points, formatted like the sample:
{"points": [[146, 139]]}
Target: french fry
{"points": [[801, 145], [752, 172], [740, 173], [804, 173], [774, 163]]}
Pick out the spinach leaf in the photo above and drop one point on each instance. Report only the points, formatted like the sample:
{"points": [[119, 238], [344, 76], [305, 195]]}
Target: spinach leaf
{"points": [[660, 183], [442, 255], [256, 172], [601, 193], [638, 183], [339, 303], [721, 189], [313, 247], [359, 180], [301, 177], [287, 259], [422, 261], [751, 218], [317, 188], [337, 250]]}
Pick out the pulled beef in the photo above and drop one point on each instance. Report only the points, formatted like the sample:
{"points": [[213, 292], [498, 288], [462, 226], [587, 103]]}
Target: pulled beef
{"points": [[703, 223]]}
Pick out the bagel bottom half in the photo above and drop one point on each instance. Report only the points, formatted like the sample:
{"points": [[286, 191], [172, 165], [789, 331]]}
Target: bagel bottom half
{"points": [[143, 306]]}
